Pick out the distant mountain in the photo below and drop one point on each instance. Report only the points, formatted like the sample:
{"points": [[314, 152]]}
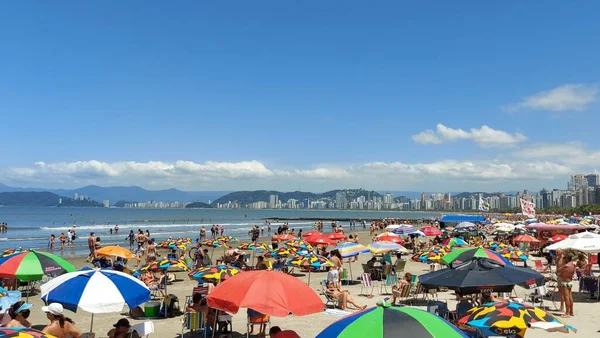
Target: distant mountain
{"points": [[42, 199], [196, 205], [132, 193], [247, 197]]}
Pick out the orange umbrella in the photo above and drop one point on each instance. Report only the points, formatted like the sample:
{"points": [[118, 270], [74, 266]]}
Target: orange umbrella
{"points": [[115, 250], [319, 240], [285, 237], [526, 239], [393, 239], [335, 236], [272, 293]]}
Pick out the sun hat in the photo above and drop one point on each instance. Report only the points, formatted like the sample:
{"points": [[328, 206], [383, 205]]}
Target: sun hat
{"points": [[54, 308], [123, 322]]}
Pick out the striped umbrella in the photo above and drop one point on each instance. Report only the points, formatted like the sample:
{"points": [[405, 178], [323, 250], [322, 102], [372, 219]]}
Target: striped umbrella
{"points": [[8, 252], [351, 250], [404, 229], [95, 291], [216, 272], [309, 262], [33, 265], [379, 247], [455, 241], [431, 231], [385, 321]]}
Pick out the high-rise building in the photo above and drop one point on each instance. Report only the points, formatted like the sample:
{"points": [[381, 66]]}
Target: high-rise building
{"points": [[106, 203], [76, 196], [273, 199], [592, 180], [340, 200]]}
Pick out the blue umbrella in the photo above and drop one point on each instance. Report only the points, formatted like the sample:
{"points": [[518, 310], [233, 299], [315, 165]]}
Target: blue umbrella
{"points": [[95, 291]]}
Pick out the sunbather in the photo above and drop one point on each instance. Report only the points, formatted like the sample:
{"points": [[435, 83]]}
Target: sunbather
{"points": [[397, 289], [343, 297]]}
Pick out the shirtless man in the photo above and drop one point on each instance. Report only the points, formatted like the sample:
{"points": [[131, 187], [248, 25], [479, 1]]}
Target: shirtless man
{"points": [[565, 279], [92, 247], [141, 239], [559, 263]]}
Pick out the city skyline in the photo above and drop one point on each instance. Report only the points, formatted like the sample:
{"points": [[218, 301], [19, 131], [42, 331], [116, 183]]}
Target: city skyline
{"points": [[299, 96]]}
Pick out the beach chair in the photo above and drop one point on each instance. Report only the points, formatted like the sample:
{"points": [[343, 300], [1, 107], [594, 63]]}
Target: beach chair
{"points": [[390, 280], [203, 290], [367, 283], [263, 322], [194, 322], [399, 267], [541, 292], [143, 329], [329, 300], [415, 290], [403, 294], [439, 308]]}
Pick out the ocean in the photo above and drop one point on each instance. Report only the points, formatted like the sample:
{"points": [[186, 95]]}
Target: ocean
{"points": [[31, 227]]}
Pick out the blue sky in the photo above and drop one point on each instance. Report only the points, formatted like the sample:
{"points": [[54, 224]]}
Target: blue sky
{"points": [[288, 95]]}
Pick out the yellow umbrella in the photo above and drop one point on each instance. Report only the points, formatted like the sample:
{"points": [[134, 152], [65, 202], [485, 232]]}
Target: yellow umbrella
{"points": [[115, 250]]}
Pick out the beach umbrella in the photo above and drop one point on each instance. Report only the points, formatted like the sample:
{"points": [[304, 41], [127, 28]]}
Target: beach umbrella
{"points": [[23, 332], [351, 250], [417, 233], [115, 251], [254, 246], [227, 239], [379, 247], [513, 254], [482, 274], [512, 319], [284, 237], [587, 242], [387, 234], [404, 229], [33, 265], [272, 293], [393, 239], [310, 233], [506, 228], [8, 252], [212, 243], [95, 291], [299, 245], [391, 227], [431, 231], [525, 239], [309, 262], [173, 264], [319, 240], [390, 321], [335, 236], [504, 224], [432, 255], [465, 225], [215, 272], [282, 252], [557, 238], [459, 256], [455, 241]]}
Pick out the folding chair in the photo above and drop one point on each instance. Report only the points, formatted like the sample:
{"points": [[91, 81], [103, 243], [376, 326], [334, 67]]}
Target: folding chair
{"points": [[262, 321], [403, 294], [390, 280], [329, 299], [399, 268], [367, 283], [193, 321], [203, 290], [537, 297]]}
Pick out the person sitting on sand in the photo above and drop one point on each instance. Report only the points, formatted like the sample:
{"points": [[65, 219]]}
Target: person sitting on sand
{"points": [[153, 284], [59, 326], [260, 264], [18, 314], [121, 330], [343, 297]]}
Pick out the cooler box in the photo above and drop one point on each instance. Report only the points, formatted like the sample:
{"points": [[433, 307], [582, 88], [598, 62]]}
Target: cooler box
{"points": [[151, 309]]}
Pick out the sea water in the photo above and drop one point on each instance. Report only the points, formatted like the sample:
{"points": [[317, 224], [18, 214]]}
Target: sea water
{"points": [[31, 227]]}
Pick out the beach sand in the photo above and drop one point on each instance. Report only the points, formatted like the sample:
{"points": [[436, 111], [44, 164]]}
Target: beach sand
{"points": [[586, 320]]}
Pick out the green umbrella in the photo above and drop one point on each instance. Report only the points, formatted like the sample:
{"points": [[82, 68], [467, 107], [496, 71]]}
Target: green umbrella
{"points": [[33, 265], [466, 254], [385, 321]]}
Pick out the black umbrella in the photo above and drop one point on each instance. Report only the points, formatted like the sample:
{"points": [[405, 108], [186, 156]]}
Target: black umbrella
{"points": [[481, 275]]}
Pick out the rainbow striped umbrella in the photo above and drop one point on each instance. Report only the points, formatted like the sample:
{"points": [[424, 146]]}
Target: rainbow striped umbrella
{"points": [[379, 247], [33, 265], [391, 321], [351, 249]]}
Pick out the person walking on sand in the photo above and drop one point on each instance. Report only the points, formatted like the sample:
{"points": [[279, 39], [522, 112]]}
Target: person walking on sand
{"points": [[92, 247], [565, 279]]}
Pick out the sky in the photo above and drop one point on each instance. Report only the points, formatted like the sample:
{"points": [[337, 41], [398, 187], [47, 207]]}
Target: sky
{"points": [[299, 95]]}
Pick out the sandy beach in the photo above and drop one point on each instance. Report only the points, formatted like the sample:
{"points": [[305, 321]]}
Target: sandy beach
{"points": [[586, 320]]}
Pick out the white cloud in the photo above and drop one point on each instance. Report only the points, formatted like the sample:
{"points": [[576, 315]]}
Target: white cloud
{"points": [[427, 137], [188, 175], [564, 98], [483, 136]]}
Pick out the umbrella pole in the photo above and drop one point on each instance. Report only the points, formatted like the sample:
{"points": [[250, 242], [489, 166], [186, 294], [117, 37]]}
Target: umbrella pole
{"points": [[92, 324], [309, 276]]}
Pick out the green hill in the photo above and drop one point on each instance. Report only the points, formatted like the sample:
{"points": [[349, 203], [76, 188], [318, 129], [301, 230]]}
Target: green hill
{"points": [[42, 199]]}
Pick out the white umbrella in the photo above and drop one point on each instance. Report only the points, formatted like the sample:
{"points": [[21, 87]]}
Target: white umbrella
{"points": [[392, 227], [95, 291], [503, 224], [465, 225], [587, 242]]}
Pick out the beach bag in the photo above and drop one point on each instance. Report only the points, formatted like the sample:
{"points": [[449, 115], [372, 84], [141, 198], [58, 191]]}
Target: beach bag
{"points": [[137, 312]]}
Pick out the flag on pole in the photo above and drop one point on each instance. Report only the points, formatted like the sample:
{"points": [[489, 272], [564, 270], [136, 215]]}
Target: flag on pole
{"points": [[483, 205], [527, 208]]}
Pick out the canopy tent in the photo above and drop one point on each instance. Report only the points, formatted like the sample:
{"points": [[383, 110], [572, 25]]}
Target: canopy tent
{"points": [[462, 218]]}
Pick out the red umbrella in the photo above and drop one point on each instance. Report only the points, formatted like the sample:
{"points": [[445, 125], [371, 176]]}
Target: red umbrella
{"points": [[526, 239], [285, 237], [335, 236], [311, 233], [272, 293], [393, 239], [319, 240], [431, 231], [558, 238]]}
